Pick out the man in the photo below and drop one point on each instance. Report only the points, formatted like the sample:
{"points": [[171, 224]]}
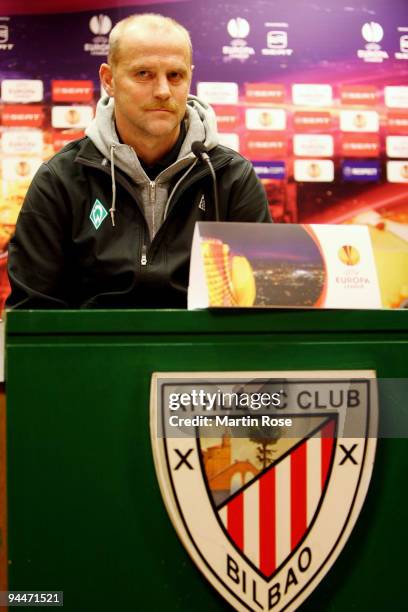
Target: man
{"points": [[108, 221]]}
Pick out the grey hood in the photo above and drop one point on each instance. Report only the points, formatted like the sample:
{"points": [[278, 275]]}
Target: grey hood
{"points": [[200, 125]]}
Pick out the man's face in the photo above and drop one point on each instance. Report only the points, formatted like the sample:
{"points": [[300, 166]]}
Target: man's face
{"points": [[150, 81]]}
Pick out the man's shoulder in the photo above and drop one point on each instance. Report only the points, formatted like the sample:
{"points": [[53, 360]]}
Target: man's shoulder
{"points": [[80, 148], [221, 153]]}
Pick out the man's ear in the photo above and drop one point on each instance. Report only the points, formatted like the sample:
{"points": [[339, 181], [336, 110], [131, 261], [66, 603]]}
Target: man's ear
{"points": [[106, 76]]}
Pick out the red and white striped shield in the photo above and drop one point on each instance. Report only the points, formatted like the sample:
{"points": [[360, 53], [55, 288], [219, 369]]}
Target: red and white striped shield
{"points": [[269, 517], [265, 519]]}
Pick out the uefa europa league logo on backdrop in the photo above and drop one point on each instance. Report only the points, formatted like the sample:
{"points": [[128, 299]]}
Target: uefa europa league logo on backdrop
{"points": [[100, 25]]}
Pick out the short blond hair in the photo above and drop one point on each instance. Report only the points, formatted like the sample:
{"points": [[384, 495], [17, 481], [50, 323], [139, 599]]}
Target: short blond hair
{"points": [[149, 20]]}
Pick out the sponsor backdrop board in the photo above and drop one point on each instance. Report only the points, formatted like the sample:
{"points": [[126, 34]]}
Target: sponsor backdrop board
{"points": [[314, 94]]}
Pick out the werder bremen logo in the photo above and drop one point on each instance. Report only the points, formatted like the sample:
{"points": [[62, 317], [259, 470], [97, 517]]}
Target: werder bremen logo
{"points": [[98, 214]]}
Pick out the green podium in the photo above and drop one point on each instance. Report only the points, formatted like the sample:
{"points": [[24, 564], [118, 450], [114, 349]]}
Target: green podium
{"points": [[85, 513]]}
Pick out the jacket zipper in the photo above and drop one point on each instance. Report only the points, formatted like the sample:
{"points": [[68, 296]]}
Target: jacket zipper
{"points": [[143, 259], [152, 198]]}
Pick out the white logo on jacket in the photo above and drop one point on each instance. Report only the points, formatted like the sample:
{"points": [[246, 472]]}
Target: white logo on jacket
{"points": [[98, 214], [202, 203]]}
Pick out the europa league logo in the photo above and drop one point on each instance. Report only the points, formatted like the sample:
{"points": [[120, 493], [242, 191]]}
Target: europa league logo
{"points": [[314, 170], [349, 255]]}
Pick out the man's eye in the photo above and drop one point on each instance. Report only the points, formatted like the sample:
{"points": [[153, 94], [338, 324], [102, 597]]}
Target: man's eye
{"points": [[142, 74], [175, 76]]}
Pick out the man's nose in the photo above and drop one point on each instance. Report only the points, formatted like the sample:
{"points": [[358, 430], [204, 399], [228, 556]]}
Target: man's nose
{"points": [[161, 87]]}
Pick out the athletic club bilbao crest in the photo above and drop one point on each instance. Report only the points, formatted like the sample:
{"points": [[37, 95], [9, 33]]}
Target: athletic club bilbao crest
{"points": [[264, 474]]}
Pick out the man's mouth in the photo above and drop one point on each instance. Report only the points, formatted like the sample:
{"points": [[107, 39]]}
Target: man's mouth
{"points": [[161, 110]]}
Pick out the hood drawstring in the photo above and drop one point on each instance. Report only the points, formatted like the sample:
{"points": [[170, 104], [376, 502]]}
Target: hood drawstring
{"points": [[112, 209]]}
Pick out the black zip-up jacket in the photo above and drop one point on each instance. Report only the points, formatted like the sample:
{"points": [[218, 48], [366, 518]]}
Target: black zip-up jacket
{"points": [[58, 259]]}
